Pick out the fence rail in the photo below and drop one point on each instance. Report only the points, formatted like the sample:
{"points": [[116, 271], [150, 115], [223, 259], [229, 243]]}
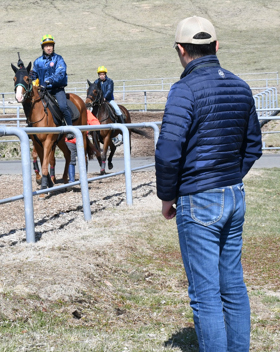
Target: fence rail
{"points": [[149, 94], [22, 133]]}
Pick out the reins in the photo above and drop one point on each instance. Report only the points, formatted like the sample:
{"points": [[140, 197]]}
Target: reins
{"points": [[97, 102]]}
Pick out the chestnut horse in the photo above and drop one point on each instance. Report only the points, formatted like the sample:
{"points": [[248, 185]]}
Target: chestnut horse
{"points": [[36, 167], [106, 115], [39, 115]]}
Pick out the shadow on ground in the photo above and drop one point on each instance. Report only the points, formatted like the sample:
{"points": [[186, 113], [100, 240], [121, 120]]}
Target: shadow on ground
{"points": [[185, 339]]}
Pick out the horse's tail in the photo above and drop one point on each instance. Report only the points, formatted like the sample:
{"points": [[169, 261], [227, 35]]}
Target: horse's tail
{"points": [[140, 132], [92, 149]]}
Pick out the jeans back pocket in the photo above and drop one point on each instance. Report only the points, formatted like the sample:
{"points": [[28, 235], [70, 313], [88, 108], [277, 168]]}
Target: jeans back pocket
{"points": [[207, 207]]}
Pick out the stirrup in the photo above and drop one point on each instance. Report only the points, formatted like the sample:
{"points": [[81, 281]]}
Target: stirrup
{"points": [[117, 140]]}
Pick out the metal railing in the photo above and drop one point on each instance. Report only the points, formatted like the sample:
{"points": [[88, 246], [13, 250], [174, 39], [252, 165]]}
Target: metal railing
{"points": [[266, 102], [27, 195], [141, 93]]}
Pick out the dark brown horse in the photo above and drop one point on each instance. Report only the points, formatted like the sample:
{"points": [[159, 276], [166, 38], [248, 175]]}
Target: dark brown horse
{"points": [[39, 115], [106, 115]]}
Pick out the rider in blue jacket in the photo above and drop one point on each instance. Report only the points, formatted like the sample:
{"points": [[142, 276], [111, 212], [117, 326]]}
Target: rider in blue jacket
{"points": [[50, 69], [107, 86]]}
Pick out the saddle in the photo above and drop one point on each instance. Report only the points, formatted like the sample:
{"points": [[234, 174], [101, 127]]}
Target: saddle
{"points": [[112, 113], [50, 102]]}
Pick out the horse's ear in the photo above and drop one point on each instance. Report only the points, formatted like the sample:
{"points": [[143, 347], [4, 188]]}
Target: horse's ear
{"points": [[15, 69], [88, 82], [29, 67]]}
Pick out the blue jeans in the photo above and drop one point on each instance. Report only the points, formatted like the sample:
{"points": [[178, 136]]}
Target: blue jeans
{"points": [[210, 234]]}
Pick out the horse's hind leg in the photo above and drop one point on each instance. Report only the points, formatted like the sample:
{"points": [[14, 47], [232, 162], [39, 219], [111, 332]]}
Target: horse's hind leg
{"points": [[66, 152], [107, 141], [97, 146], [52, 165], [36, 167], [113, 149]]}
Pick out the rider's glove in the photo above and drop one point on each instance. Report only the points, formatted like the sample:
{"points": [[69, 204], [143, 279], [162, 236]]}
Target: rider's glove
{"points": [[49, 81], [44, 85]]}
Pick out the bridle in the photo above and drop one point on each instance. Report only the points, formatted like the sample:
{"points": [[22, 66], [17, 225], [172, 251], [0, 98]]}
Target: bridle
{"points": [[22, 72], [95, 101]]}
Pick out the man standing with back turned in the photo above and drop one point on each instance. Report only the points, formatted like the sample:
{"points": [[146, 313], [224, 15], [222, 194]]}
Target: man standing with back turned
{"points": [[209, 140]]}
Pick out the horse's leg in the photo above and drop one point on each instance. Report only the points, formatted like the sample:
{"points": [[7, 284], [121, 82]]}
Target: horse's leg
{"points": [[46, 179], [67, 155], [106, 141], [97, 146], [36, 167], [52, 165], [93, 148], [112, 152]]}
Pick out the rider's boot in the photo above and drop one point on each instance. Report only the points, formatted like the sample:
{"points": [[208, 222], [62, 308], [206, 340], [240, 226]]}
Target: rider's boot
{"points": [[68, 120], [121, 118]]}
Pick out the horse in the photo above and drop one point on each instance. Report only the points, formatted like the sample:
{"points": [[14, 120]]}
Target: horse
{"points": [[38, 114], [106, 115], [36, 167]]}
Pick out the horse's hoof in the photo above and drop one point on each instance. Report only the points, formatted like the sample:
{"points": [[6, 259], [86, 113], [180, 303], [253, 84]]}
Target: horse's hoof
{"points": [[42, 196], [110, 166], [102, 172], [38, 179]]}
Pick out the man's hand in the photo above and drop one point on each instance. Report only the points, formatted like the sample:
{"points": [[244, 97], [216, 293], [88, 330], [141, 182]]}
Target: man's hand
{"points": [[168, 210]]}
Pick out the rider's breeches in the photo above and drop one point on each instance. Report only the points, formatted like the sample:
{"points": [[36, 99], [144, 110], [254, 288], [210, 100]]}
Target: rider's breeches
{"points": [[73, 150], [62, 102], [116, 107]]}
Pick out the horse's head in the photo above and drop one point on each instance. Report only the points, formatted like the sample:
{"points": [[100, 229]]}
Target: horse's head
{"points": [[94, 95], [23, 83]]}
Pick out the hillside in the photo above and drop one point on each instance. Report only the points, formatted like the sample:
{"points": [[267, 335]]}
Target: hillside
{"points": [[135, 39]]}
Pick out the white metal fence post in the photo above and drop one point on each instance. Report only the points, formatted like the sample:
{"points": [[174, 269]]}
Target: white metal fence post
{"points": [[26, 179]]}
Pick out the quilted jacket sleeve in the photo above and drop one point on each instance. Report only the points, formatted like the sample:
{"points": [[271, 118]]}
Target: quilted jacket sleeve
{"points": [[108, 94], [176, 122], [252, 144], [58, 78]]}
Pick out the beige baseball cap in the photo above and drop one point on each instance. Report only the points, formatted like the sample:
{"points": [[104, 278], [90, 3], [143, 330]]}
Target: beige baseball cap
{"points": [[190, 26]]}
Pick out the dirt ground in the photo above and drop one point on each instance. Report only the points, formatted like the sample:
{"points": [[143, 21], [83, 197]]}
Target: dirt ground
{"points": [[59, 219], [141, 146], [12, 219]]}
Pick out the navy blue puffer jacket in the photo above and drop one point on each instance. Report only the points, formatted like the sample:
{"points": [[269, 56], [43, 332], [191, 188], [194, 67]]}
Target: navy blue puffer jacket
{"points": [[107, 87], [50, 68], [210, 135]]}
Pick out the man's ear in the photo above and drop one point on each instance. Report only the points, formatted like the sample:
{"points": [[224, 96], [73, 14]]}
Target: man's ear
{"points": [[217, 45], [181, 49]]}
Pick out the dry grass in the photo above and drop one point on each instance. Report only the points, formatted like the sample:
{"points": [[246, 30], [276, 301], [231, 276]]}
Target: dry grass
{"points": [[135, 39], [117, 283]]}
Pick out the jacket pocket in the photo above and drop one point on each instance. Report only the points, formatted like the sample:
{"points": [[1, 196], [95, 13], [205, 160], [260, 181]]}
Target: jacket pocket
{"points": [[207, 207]]}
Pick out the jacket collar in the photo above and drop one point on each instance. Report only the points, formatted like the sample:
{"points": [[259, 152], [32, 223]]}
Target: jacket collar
{"points": [[210, 60], [45, 56]]}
